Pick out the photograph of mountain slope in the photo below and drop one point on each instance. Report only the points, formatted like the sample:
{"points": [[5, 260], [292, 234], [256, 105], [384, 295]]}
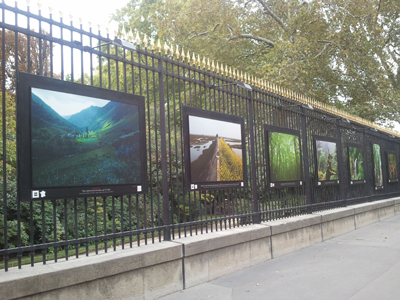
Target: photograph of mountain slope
{"points": [[90, 142]]}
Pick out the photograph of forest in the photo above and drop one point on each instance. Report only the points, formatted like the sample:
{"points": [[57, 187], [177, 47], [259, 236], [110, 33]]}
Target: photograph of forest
{"points": [[327, 161], [284, 157], [81, 141], [215, 150], [356, 160], [392, 164], [376, 151]]}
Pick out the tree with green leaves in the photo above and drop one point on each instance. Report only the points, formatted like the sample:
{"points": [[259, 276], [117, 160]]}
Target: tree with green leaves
{"points": [[343, 52]]}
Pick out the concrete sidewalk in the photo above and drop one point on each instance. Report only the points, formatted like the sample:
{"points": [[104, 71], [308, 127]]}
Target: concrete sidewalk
{"points": [[361, 265]]}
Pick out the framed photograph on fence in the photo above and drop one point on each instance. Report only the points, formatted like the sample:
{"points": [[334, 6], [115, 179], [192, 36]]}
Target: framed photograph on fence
{"points": [[356, 164], [392, 167], [283, 156], [377, 166], [78, 141], [326, 161], [215, 152]]}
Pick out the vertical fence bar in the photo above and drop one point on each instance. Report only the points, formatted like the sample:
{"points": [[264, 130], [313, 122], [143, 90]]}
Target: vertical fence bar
{"points": [[340, 163], [307, 181], [254, 193], [164, 165]]}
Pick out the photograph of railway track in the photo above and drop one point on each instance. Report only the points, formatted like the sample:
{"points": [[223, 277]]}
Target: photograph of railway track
{"points": [[215, 150]]}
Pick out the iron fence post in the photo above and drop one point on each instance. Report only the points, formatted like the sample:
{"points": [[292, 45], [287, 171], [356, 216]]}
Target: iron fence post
{"points": [[307, 180], [164, 166], [256, 216], [342, 183]]}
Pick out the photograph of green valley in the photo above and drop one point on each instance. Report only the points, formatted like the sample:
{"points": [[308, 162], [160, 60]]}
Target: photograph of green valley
{"points": [[83, 141], [215, 150]]}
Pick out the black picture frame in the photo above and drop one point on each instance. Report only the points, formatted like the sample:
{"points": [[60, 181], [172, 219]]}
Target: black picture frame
{"points": [[392, 169], [324, 182], [271, 178], [196, 177], [32, 187], [349, 150], [378, 183]]}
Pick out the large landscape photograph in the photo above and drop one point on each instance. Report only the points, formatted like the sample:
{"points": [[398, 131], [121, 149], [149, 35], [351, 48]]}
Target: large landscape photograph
{"points": [[284, 157], [392, 164], [215, 150], [356, 160], [378, 176], [79, 141], [327, 164]]}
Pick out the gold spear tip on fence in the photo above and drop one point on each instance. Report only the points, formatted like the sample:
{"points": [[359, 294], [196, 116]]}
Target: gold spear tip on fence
{"points": [[159, 46], [122, 31], [198, 60], [193, 59], [165, 48], [171, 50], [183, 55], [213, 66], [208, 63], [217, 68], [130, 35], [152, 44], [138, 41], [145, 40], [177, 52], [204, 62]]}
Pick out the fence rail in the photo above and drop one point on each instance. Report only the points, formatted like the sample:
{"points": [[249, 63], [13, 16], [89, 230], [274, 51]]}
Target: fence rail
{"points": [[60, 228]]}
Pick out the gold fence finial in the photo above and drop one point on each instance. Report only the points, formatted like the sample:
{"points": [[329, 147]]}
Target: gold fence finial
{"points": [[208, 64], [213, 66], [198, 60], [171, 51], [165, 49], [183, 55], [137, 38], [204, 62], [177, 52], [194, 59], [159, 46], [123, 33], [217, 68], [188, 57], [145, 42], [152, 44], [130, 35]]}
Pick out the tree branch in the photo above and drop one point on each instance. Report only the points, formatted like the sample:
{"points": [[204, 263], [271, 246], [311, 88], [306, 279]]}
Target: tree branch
{"points": [[268, 11], [252, 37]]}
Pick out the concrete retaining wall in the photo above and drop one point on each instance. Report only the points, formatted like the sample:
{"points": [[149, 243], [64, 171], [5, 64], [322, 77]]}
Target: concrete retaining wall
{"points": [[151, 271]]}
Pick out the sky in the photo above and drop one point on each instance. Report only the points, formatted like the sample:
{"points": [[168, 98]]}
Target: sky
{"points": [[67, 104], [198, 125]]}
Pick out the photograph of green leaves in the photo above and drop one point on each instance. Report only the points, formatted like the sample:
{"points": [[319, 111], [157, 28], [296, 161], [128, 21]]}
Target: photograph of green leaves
{"points": [[284, 157], [378, 177], [356, 160], [327, 165]]}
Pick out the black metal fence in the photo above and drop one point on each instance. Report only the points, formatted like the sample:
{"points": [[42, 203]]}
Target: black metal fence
{"points": [[168, 78]]}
